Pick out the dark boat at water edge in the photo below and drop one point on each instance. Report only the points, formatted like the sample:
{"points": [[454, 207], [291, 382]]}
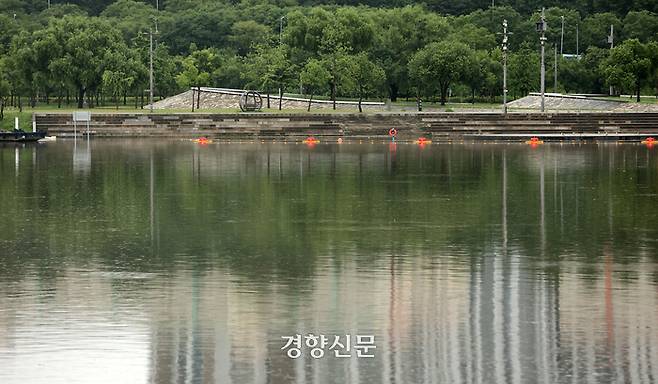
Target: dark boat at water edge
{"points": [[21, 136]]}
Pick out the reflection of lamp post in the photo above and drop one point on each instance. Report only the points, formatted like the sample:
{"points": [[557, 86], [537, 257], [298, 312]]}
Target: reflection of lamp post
{"points": [[541, 28]]}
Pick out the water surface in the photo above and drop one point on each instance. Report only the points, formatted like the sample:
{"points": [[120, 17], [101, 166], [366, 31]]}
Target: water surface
{"points": [[135, 261]]}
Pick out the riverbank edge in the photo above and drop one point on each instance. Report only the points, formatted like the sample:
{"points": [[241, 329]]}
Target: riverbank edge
{"points": [[437, 126]]}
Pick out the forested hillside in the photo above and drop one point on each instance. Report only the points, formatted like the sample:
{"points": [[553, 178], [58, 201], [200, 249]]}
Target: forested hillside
{"points": [[98, 51]]}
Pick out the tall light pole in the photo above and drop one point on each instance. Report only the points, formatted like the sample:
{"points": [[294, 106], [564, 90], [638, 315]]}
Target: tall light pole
{"points": [[281, 29], [48, 4], [555, 69], [611, 41], [577, 39], [541, 28], [505, 33], [151, 82], [562, 36]]}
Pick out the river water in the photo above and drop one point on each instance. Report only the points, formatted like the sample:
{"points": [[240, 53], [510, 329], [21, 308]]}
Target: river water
{"points": [[163, 261]]}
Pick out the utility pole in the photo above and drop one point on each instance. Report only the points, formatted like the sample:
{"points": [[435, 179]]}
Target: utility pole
{"points": [[542, 26], [48, 4], [151, 82], [562, 36], [157, 5], [505, 33]]}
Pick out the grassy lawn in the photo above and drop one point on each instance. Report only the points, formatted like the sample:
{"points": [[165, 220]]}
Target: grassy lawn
{"points": [[24, 120]]}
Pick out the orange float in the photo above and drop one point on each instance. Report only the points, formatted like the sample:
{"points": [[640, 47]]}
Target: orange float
{"points": [[202, 140], [534, 141], [649, 141], [310, 140], [422, 141]]}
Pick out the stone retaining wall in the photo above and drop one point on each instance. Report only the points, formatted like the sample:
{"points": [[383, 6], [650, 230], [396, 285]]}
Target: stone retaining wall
{"points": [[222, 98]]}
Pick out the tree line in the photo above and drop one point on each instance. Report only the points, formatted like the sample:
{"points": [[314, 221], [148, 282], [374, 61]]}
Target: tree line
{"points": [[78, 53]]}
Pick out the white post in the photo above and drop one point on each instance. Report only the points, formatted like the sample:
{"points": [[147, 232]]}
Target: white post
{"points": [[16, 123], [34, 123]]}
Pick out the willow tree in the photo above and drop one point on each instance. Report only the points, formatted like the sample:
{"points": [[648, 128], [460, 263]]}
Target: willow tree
{"points": [[80, 51], [441, 64]]}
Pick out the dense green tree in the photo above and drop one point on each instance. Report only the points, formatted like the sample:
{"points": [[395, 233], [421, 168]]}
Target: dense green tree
{"points": [[628, 66], [197, 68], [441, 64], [641, 25], [314, 77], [400, 33], [131, 17], [228, 73], [367, 78], [5, 87], [208, 25], [123, 72], [524, 71], [554, 17], [267, 68], [244, 34], [484, 73], [596, 28]]}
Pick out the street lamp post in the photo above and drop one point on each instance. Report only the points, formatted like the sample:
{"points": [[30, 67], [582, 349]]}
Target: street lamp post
{"points": [[562, 36], [577, 40], [505, 33], [151, 82], [611, 41], [542, 26], [555, 69], [281, 29]]}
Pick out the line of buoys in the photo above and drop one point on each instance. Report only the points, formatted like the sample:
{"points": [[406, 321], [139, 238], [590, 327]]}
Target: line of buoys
{"points": [[534, 141]]}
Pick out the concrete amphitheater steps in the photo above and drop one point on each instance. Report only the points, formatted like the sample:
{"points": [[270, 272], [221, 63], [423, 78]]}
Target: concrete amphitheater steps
{"points": [[409, 126]]}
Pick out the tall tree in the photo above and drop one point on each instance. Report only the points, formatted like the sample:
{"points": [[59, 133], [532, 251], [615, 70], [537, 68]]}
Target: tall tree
{"points": [[80, 50], [441, 64], [367, 77], [628, 66], [314, 77]]}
